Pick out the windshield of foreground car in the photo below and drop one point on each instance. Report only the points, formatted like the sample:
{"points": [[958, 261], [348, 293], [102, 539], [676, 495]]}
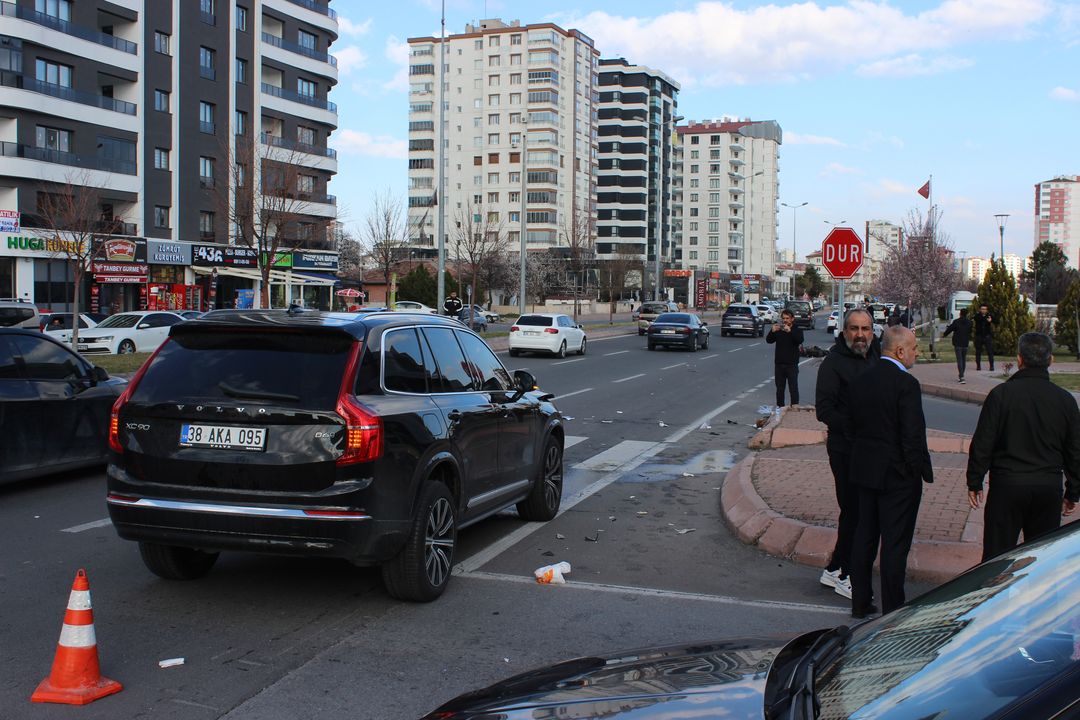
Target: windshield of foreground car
{"points": [[123, 320], [970, 647]]}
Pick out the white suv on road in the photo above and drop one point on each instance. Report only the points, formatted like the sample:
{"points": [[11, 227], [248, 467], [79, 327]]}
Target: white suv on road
{"points": [[547, 332]]}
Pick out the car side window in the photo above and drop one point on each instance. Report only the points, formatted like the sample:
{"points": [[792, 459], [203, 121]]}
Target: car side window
{"points": [[44, 360], [564, 321], [9, 368], [453, 370], [161, 320], [403, 362], [487, 371]]}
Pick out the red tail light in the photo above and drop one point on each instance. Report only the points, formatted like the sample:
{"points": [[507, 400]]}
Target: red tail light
{"points": [[114, 417], [363, 429], [553, 331], [514, 328], [684, 331]]}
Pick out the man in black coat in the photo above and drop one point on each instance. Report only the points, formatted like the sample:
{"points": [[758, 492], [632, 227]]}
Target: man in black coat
{"points": [[853, 352], [960, 329], [788, 338], [452, 305], [889, 463], [984, 337], [1027, 436]]}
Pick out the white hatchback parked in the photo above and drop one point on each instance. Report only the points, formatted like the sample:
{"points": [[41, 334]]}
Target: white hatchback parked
{"points": [[547, 332], [128, 332]]}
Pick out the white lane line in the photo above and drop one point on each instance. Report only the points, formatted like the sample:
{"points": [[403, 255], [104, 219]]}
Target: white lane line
{"points": [[88, 526], [668, 367], [667, 594], [754, 345], [703, 420], [562, 396], [736, 349], [571, 440], [710, 357], [617, 352], [615, 456], [564, 362], [632, 377]]}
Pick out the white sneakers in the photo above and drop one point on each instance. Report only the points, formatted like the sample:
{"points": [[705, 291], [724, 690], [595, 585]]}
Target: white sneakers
{"points": [[841, 585]]}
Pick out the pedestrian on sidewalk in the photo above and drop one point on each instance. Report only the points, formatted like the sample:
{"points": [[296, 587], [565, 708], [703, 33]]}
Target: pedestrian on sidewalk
{"points": [[1027, 436], [854, 351], [452, 305], [889, 463], [984, 337], [960, 329], [788, 339]]}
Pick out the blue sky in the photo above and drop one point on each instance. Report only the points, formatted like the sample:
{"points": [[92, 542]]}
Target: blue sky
{"points": [[873, 97]]}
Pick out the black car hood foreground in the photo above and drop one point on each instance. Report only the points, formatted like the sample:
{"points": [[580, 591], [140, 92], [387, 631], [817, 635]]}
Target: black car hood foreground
{"points": [[719, 679]]}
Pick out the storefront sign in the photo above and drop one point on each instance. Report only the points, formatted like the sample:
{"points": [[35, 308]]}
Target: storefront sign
{"points": [[113, 279], [160, 252], [120, 250], [282, 260], [40, 247], [224, 256], [700, 293], [9, 221], [314, 261], [678, 273]]}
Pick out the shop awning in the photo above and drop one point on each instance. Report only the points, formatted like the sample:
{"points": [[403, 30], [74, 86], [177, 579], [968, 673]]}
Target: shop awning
{"points": [[277, 277], [315, 278]]}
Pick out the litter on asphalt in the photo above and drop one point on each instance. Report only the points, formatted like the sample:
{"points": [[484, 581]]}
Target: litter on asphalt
{"points": [[171, 662], [552, 574]]}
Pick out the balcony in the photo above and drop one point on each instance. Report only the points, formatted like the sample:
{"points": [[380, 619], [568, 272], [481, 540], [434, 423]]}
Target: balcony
{"points": [[208, 18], [737, 161], [297, 97], [115, 227], [736, 175], [275, 141], [25, 82], [207, 72], [207, 127], [79, 31], [306, 197], [298, 49], [736, 147], [317, 7], [29, 152], [735, 204]]}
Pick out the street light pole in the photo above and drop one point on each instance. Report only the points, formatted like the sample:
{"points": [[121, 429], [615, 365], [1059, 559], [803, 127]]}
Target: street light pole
{"points": [[440, 202], [1001, 218], [524, 213], [660, 198], [794, 252]]}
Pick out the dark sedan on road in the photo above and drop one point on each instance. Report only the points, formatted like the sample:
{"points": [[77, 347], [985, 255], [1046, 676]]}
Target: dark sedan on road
{"points": [[1000, 641], [739, 318], [682, 329], [54, 406]]}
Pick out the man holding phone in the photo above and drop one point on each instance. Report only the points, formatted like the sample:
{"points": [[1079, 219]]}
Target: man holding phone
{"points": [[787, 339]]}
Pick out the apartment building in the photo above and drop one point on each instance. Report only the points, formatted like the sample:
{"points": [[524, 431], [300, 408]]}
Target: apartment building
{"points": [[727, 185], [162, 109], [1057, 215], [974, 268], [636, 118], [519, 135]]}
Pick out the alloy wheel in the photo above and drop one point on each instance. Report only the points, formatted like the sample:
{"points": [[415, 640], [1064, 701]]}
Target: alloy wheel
{"points": [[439, 542]]}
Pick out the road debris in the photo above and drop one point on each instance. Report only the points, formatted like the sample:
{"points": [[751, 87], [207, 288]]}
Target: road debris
{"points": [[171, 662], [662, 424], [642, 513], [552, 574], [688, 475], [548, 553], [560, 536], [685, 530]]}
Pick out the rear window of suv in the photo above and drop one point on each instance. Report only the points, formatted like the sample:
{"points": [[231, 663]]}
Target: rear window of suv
{"points": [[799, 307], [739, 310], [539, 320], [301, 369]]}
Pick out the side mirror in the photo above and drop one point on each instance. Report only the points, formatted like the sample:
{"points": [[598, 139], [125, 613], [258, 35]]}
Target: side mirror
{"points": [[579, 327], [99, 374], [704, 324], [524, 381]]}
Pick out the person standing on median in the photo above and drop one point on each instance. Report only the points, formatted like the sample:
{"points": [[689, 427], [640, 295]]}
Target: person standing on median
{"points": [[1028, 434], [889, 463], [960, 329], [452, 305], [788, 339], [984, 337], [854, 351]]}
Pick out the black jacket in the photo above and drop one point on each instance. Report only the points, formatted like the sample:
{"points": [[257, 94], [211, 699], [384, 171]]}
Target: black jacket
{"points": [[984, 326], [960, 328], [837, 370], [889, 449], [1028, 434], [787, 345], [451, 306]]}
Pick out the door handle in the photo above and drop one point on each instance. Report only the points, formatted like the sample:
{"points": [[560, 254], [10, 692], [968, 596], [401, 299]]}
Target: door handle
{"points": [[454, 415]]}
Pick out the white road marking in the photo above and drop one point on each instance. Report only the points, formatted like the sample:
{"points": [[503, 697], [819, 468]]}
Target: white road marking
{"points": [[571, 440], [615, 456], [703, 420], [563, 362], [754, 344], [710, 357], [617, 352], [668, 367], [88, 526], [561, 396], [632, 377], [735, 350], [666, 594]]}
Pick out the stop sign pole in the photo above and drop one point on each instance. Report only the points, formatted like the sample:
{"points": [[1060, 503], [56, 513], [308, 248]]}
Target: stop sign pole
{"points": [[842, 256]]}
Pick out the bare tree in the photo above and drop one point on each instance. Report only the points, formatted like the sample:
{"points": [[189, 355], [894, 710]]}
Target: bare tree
{"points": [[579, 238], [500, 274], [271, 211], [541, 269], [72, 217], [385, 233], [479, 236], [615, 274]]}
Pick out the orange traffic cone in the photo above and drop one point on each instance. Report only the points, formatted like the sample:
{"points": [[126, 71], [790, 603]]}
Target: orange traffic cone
{"points": [[76, 678]]}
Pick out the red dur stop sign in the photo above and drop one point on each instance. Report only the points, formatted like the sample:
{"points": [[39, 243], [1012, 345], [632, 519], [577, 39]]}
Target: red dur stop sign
{"points": [[842, 253]]}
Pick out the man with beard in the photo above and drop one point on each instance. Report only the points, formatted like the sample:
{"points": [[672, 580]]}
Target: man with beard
{"points": [[855, 350]]}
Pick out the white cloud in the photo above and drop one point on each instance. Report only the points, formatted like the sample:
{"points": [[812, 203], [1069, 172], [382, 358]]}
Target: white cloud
{"points": [[717, 43], [349, 59], [348, 27], [1064, 93], [356, 142], [886, 186], [397, 52], [913, 65], [792, 138], [836, 168]]}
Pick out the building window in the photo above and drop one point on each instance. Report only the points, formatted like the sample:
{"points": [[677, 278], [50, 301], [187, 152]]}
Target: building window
{"points": [[206, 169], [493, 179], [241, 18], [305, 87], [493, 197], [206, 225], [515, 79], [206, 63], [306, 40], [53, 73], [515, 39], [305, 183], [493, 81], [241, 70], [162, 43], [515, 59], [161, 216], [206, 117], [493, 61], [207, 6], [161, 101], [53, 139], [305, 135], [493, 41], [161, 158], [241, 123], [60, 9]]}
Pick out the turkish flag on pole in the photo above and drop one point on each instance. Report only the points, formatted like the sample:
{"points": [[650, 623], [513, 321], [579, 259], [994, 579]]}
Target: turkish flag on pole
{"points": [[925, 190]]}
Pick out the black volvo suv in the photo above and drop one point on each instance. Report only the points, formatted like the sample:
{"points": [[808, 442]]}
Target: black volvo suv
{"points": [[373, 438]]}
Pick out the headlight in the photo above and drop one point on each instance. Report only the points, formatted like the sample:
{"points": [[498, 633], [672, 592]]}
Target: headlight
{"points": [[103, 339]]}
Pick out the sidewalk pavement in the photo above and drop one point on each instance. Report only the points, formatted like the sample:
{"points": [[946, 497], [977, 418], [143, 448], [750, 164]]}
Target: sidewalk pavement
{"points": [[781, 498], [940, 378]]}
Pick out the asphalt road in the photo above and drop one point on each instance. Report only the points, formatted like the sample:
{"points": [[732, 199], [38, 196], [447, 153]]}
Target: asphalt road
{"points": [[264, 637]]}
